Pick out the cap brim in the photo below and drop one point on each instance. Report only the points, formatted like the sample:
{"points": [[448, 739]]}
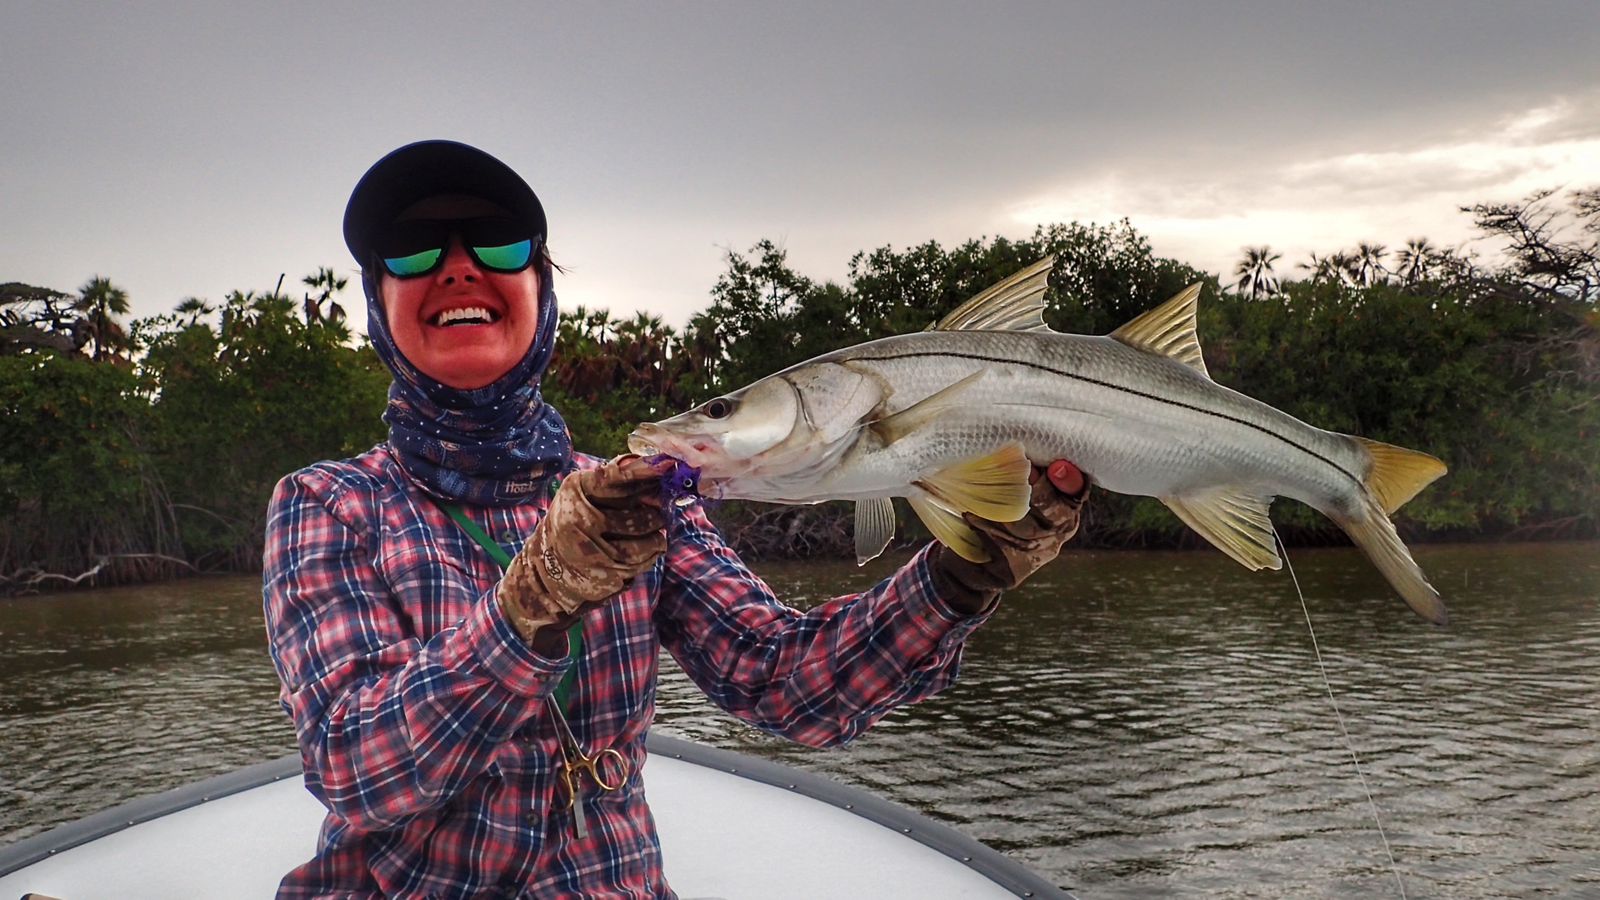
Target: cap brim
{"points": [[426, 169]]}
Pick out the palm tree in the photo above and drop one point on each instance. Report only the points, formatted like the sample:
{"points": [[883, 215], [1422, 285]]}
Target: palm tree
{"points": [[599, 325], [1320, 267], [644, 355], [571, 333], [1343, 265], [99, 300], [194, 308], [1255, 271], [1369, 268], [1417, 260], [326, 283]]}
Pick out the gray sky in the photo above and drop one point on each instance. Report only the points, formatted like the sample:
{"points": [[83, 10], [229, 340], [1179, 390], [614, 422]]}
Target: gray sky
{"points": [[192, 149]]}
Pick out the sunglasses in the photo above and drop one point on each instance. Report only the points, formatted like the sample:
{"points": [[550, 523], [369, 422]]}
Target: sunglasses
{"points": [[415, 248]]}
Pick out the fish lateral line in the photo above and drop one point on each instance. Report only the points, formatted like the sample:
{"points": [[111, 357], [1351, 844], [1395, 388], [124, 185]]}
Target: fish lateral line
{"points": [[978, 357]]}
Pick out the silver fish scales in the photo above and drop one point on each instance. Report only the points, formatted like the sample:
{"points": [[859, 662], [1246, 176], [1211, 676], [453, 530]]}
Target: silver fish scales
{"points": [[949, 419]]}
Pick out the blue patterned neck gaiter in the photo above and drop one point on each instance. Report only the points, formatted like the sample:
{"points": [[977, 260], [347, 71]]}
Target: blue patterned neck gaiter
{"points": [[496, 445]]}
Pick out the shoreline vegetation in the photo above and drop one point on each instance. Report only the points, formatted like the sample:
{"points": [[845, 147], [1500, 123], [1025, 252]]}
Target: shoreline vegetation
{"points": [[147, 451]]}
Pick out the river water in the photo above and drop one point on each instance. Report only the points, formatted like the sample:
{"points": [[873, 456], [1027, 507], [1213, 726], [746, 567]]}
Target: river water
{"points": [[1129, 724]]}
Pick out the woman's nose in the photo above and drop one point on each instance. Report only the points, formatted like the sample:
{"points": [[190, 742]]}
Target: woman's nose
{"points": [[458, 265]]}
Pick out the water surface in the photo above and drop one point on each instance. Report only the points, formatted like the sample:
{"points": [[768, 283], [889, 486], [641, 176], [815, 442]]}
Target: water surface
{"points": [[1130, 724]]}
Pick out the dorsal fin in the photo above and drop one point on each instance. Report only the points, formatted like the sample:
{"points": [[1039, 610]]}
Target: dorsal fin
{"points": [[1168, 330], [1015, 304]]}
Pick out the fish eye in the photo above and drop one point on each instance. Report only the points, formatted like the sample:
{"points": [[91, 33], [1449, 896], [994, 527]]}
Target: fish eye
{"points": [[717, 409]]}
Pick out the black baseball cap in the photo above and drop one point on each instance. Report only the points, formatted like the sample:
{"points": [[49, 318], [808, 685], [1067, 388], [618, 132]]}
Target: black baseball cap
{"points": [[426, 169]]}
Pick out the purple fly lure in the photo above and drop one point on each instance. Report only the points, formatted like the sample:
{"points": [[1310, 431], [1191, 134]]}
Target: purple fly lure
{"points": [[680, 484]]}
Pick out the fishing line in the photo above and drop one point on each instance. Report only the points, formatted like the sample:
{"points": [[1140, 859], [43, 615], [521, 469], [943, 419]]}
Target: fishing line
{"points": [[1344, 732]]}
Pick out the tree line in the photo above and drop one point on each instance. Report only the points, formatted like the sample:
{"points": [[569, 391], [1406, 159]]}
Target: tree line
{"points": [[149, 450]]}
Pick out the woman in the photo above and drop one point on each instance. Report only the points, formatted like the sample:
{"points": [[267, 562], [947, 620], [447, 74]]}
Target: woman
{"points": [[439, 700]]}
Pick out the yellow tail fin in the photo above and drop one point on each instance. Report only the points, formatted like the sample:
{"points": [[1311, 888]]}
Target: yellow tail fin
{"points": [[1375, 535], [1397, 474]]}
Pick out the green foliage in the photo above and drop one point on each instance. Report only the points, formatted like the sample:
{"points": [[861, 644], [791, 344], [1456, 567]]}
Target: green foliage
{"points": [[74, 481], [167, 437], [167, 460], [1467, 372], [608, 375], [237, 407]]}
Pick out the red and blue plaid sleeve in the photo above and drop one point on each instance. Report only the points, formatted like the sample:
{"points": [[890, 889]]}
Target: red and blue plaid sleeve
{"points": [[389, 724], [820, 677]]}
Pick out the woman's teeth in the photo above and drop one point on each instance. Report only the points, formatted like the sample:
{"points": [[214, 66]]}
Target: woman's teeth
{"points": [[471, 315]]}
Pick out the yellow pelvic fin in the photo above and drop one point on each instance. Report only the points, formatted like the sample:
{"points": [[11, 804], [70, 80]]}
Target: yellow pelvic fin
{"points": [[894, 427], [950, 529], [994, 487], [1397, 474], [1015, 304], [1235, 522], [1168, 330]]}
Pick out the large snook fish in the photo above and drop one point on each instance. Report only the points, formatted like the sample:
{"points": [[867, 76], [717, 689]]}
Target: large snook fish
{"points": [[950, 417]]}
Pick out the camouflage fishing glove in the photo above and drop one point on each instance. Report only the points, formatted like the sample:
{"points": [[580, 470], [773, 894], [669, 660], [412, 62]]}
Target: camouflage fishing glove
{"points": [[604, 527], [1016, 549]]}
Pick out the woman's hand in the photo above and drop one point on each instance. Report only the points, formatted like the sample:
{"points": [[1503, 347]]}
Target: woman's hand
{"points": [[604, 527]]}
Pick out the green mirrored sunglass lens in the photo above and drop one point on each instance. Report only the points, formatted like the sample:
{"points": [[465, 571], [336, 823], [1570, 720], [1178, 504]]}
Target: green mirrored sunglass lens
{"points": [[415, 264], [509, 257]]}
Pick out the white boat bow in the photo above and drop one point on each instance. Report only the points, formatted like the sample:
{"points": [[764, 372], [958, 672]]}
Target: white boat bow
{"points": [[731, 826]]}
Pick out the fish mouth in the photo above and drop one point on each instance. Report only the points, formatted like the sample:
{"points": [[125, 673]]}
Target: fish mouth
{"points": [[652, 440], [643, 442], [700, 451]]}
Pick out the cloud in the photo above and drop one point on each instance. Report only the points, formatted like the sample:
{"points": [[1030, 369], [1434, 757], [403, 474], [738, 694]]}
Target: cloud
{"points": [[1552, 144], [1325, 203]]}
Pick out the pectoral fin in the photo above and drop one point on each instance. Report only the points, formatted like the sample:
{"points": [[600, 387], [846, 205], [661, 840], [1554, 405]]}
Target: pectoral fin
{"points": [[1235, 522], [994, 487], [874, 528], [950, 529], [893, 427]]}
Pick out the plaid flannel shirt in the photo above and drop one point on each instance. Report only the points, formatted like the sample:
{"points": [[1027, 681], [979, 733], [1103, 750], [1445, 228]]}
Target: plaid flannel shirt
{"points": [[420, 713]]}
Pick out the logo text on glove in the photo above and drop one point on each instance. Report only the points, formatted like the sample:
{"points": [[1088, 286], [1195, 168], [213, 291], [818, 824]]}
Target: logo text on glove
{"points": [[553, 566]]}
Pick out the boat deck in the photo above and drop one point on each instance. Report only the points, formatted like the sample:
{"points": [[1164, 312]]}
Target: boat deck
{"points": [[731, 826]]}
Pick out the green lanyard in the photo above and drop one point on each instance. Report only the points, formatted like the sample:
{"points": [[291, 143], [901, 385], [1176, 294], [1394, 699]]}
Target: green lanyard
{"points": [[563, 693]]}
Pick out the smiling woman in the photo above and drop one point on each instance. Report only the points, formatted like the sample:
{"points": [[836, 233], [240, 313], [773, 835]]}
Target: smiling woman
{"points": [[452, 702], [460, 321], [459, 289]]}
